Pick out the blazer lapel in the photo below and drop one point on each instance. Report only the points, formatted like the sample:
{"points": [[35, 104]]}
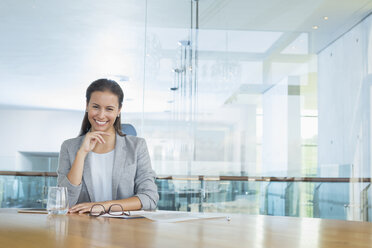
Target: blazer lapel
{"points": [[87, 175], [119, 161]]}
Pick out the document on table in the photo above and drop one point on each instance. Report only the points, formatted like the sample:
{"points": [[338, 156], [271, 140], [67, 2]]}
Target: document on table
{"points": [[176, 216], [169, 216]]}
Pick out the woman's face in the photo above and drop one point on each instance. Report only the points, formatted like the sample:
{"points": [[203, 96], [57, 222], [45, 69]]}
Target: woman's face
{"points": [[103, 109]]}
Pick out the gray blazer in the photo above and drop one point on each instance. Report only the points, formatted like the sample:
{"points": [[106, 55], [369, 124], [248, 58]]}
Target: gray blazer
{"points": [[132, 174]]}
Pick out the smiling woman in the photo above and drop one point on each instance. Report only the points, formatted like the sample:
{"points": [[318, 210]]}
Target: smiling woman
{"points": [[103, 165], [104, 101]]}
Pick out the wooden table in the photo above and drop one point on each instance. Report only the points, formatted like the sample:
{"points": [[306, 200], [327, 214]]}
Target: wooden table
{"points": [[40, 230]]}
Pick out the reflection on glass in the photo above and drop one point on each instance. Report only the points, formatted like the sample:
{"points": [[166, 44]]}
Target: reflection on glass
{"points": [[249, 104]]}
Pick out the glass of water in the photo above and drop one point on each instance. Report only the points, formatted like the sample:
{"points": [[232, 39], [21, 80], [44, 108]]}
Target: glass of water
{"points": [[57, 200]]}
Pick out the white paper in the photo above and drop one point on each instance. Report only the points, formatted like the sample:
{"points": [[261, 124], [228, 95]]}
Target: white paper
{"points": [[169, 216]]}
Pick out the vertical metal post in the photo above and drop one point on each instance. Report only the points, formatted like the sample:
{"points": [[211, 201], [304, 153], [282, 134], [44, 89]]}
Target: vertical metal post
{"points": [[144, 73], [364, 203], [316, 203], [202, 194]]}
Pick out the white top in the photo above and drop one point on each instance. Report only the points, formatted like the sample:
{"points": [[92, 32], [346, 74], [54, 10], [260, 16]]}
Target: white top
{"points": [[101, 169]]}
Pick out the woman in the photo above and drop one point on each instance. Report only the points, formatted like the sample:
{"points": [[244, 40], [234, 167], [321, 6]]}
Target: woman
{"points": [[103, 165]]}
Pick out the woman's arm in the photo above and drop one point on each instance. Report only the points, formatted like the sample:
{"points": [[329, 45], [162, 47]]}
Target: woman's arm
{"points": [[64, 166], [70, 175], [75, 174], [129, 204], [144, 182]]}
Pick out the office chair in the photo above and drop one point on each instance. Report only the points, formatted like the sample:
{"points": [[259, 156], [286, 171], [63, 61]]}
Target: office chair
{"points": [[128, 129]]}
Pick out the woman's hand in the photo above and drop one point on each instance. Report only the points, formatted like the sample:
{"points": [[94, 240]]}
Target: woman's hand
{"points": [[91, 139], [82, 207]]}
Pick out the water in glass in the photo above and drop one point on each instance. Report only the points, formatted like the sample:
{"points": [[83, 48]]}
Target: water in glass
{"points": [[57, 200]]}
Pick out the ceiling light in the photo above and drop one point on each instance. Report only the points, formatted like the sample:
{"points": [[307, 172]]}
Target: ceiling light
{"points": [[325, 18], [315, 27]]}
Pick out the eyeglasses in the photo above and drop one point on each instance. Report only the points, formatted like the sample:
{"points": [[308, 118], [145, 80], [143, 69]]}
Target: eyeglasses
{"points": [[114, 210]]}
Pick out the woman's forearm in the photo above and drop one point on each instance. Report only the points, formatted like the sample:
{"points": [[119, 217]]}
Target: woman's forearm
{"points": [[129, 204], [76, 172]]}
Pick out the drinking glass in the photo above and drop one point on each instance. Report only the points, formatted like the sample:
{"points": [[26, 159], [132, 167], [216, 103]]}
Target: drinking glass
{"points": [[57, 200]]}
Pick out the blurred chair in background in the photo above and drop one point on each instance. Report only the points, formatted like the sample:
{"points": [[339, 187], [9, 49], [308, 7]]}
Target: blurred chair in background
{"points": [[128, 129]]}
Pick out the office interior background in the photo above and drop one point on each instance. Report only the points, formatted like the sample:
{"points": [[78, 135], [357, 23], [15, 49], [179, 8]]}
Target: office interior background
{"points": [[258, 107]]}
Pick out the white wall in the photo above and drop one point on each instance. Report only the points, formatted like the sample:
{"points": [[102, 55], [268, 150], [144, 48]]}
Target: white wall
{"points": [[342, 73], [275, 131], [34, 130], [344, 102]]}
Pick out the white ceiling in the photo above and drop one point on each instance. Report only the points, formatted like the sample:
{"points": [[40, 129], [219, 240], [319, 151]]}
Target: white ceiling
{"points": [[51, 50]]}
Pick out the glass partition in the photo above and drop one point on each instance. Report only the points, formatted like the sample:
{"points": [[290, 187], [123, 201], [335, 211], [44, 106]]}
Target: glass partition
{"points": [[323, 199], [24, 191], [225, 100], [330, 200]]}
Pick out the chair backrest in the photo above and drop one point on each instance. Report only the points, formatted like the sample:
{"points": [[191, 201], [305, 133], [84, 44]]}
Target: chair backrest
{"points": [[128, 129]]}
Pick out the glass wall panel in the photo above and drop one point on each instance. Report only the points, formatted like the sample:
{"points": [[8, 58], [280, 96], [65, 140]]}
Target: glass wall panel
{"points": [[326, 199], [166, 119], [223, 100], [25, 191]]}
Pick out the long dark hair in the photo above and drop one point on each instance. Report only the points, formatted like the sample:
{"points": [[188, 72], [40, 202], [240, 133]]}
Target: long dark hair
{"points": [[103, 85]]}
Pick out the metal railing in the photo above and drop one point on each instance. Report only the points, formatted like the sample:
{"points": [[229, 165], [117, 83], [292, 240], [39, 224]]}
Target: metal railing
{"points": [[217, 178]]}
